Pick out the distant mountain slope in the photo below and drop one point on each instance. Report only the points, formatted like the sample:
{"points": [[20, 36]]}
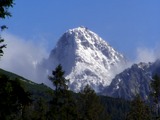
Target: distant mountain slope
{"points": [[36, 90], [134, 80], [10, 74], [86, 58]]}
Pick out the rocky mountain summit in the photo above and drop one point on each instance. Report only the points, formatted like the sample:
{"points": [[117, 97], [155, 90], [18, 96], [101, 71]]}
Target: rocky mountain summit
{"points": [[133, 80], [86, 59]]}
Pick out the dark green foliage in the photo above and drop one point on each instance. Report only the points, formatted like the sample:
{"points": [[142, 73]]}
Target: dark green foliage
{"points": [[1, 46], [155, 94], [117, 108], [62, 105], [41, 95], [11, 75], [4, 6], [58, 79], [12, 98], [36, 111], [40, 109], [139, 110], [90, 106], [72, 106], [155, 85], [37, 90]]}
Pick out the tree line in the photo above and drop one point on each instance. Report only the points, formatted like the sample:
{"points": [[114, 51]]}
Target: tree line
{"points": [[149, 109], [16, 102]]}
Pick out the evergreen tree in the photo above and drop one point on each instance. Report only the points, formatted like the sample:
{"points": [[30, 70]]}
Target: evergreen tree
{"points": [[40, 109], [62, 105], [12, 98], [155, 93], [90, 105], [4, 6], [139, 110]]}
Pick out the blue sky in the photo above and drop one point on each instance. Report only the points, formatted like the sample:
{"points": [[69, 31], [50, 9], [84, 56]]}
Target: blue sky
{"points": [[125, 24], [130, 26]]}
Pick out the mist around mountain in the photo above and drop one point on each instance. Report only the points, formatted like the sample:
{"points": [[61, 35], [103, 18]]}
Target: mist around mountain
{"points": [[86, 59]]}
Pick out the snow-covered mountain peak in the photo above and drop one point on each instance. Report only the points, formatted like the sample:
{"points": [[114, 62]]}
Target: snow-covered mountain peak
{"points": [[82, 39], [86, 58], [83, 35]]}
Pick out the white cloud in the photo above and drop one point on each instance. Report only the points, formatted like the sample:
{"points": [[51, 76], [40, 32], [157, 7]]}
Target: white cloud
{"points": [[22, 56], [146, 55]]}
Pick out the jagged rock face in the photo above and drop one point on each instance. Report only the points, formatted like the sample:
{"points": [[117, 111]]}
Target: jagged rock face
{"points": [[132, 81], [86, 59]]}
